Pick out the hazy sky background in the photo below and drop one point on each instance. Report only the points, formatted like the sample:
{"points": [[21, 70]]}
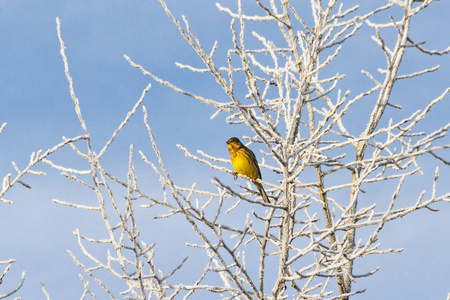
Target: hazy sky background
{"points": [[36, 104]]}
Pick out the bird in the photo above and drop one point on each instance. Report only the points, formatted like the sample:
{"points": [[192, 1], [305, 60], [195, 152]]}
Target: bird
{"points": [[244, 162]]}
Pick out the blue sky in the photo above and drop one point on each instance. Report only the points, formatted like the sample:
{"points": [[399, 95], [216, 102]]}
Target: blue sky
{"points": [[36, 104]]}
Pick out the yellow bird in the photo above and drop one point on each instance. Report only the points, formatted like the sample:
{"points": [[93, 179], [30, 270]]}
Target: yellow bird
{"points": [[244, 162]]}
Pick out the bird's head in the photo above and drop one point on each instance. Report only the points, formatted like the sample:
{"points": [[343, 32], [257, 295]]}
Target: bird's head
{"points": [[234, 143]]}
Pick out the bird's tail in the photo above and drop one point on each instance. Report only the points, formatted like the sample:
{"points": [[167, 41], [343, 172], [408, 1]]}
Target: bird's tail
{"points": [[262, 192]]}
